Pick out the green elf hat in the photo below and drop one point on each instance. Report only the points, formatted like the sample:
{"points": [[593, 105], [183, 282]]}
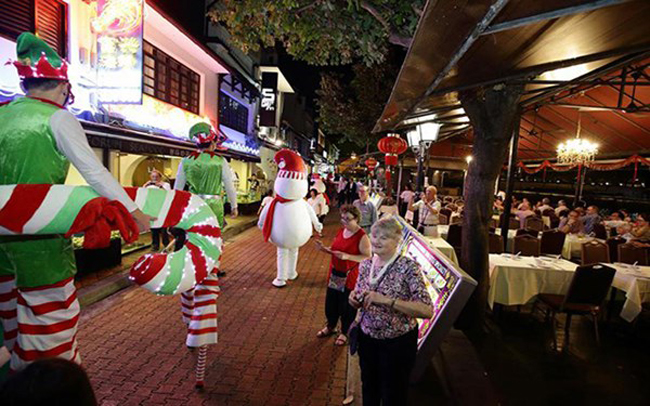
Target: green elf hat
{"points": [[203, 133], [37, 60]]}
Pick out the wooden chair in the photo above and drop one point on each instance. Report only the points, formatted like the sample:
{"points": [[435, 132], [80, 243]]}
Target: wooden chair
{"points": [[600, 231], [585, 296], [629, 254], [456, 220], [525, 231], [564, 213], [594, 252], [534, 223], [514, 223], [527, 245], [442, 219], [555, 221], [548, 212], [494, 223], [447, 212], [496, 244], [552, 242], [613, 244]]}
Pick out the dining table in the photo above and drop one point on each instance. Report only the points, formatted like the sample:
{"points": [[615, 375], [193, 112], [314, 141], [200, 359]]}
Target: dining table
{"points": [[517, 280], [572, 248], [443, 230], [444, 247]]}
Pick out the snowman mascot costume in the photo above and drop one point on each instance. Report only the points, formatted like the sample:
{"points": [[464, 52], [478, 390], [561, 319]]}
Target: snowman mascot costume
{"points": [[287, 221]]}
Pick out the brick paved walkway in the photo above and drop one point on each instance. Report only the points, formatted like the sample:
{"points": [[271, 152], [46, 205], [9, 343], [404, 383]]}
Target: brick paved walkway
{"points": [[132, 344]]}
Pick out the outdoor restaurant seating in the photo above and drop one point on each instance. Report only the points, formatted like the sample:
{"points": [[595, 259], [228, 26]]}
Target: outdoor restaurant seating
{"points": [[594, 252], [600, 231], [527, 245], [586, 294], [534, 223], [555, 220], [630, 254], [613, 243], [548, 212], [526, 231], [496, 244], [552, 242]]}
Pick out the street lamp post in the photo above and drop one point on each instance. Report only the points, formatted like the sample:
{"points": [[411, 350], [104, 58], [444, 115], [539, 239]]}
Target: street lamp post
{"points": [[420, 139]]}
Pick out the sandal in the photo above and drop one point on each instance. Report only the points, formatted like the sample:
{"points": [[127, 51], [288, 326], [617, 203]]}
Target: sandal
{"points": [[325, 332], [341, 340]]}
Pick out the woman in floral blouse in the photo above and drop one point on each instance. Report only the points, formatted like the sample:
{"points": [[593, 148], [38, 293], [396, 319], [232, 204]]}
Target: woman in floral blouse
{"points": [[393, 294]]}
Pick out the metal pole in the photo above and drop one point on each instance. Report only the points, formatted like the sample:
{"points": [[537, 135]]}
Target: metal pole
{"points": [[582, 182], [399, 181], [420, 178], [510, 183], [576, 196]]}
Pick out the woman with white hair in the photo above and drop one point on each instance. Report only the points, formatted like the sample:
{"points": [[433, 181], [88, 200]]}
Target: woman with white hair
{"points": [[392, 293]]}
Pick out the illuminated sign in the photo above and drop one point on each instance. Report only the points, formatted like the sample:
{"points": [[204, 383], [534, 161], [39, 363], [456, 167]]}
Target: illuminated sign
{"points": [[269, 99], [119, 29], [157, 116]]}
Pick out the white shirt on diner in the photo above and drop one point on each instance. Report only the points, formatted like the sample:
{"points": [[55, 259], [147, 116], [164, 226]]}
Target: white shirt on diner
{"points": [[407, 196], [71, 140]]}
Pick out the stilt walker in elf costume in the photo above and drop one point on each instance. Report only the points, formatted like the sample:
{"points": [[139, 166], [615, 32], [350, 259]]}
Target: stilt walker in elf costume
{"points": [[38, 140], [207, 174]]}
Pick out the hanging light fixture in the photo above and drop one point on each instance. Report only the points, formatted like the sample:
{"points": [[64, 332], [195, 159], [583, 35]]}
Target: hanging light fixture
{"points": [[577, 151]]}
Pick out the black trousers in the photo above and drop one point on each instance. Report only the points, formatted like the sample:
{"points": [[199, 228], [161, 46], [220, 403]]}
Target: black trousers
{"points": [[386, 367], [155, 237], [337, 308]]}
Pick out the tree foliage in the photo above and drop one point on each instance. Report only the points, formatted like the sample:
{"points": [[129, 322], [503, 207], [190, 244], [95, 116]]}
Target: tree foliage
{"points": [[350, 107], [320, 32]]}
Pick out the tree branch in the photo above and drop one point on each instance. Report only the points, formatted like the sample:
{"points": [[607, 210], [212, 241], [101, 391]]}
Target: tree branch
{"points": [[307, 6], [393, 37], [376, 14], [400, 40]]}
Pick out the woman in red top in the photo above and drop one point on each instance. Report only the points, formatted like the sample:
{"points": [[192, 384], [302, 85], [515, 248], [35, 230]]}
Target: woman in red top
{"points": [[350, 246]]}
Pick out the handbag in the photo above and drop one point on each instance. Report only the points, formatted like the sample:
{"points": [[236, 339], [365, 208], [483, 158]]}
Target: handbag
{"points": [[337, 280], [355, 327]]}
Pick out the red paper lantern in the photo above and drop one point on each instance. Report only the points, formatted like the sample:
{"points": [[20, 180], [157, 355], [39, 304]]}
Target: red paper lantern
{"points": [[392, 145], [371, 163]]}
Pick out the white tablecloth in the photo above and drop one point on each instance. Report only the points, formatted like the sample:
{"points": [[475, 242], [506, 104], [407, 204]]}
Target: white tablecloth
{"points": [[443, 230], [517, 281], [444, 247], [635, 282], [573, 245]]}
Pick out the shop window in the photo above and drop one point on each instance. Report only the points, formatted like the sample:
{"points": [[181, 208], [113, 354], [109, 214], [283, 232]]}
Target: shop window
{"points": [[169, 80], [45, 17], [232, 113]]}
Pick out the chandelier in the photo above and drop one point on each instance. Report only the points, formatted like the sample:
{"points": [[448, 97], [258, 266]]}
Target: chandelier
{"points": [[576, 151]]}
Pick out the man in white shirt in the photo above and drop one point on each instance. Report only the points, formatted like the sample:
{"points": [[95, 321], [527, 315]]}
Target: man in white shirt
{"points": [[561, 206], [546, 205], [428, 210], [156, 182]]}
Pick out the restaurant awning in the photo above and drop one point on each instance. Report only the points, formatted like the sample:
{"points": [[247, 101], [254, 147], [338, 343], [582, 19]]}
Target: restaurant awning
{"points": [[576, 57]]}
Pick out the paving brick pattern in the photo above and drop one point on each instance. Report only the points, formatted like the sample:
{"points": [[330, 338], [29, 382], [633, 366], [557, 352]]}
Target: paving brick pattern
{"points": [[133, 343]]}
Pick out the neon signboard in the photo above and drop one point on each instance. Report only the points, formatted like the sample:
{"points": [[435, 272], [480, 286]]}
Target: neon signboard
{"points": [[119, 28]]}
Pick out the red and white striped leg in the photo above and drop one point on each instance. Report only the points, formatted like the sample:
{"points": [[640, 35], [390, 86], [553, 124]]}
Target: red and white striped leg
{"points": [[187, 305], [47, 324], [202, 328], [8, 295], [200, 367]]}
